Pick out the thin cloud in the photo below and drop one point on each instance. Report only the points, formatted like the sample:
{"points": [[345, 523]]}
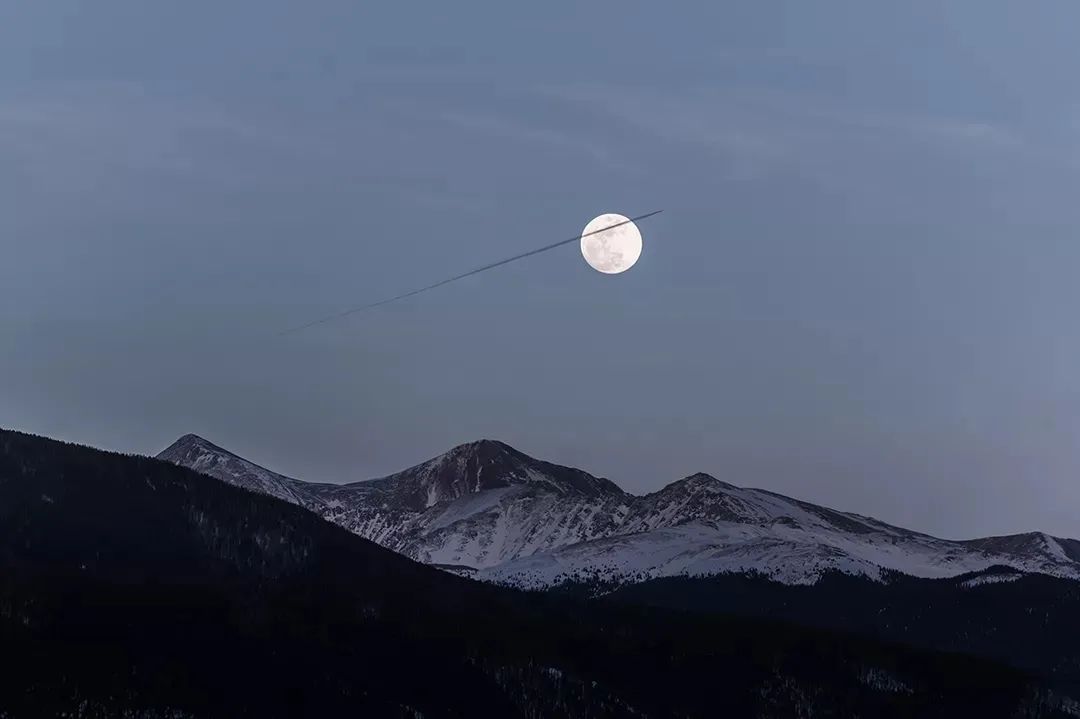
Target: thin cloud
{"points": [[113, 138], [767, 128], [724, 129], [494, 125]]}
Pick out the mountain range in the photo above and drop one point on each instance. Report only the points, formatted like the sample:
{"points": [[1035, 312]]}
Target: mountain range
{"points": [[495, 513], [131, 587]]}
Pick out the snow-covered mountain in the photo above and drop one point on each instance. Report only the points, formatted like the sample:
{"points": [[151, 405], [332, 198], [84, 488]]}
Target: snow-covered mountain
{"points": [[196, 453], [513, 519]]}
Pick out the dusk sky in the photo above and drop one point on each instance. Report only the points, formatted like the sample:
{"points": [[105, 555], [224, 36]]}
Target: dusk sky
{"points": [[863, 290]]}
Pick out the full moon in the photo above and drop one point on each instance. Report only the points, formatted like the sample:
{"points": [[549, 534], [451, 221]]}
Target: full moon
{"points": [[611, 251]]}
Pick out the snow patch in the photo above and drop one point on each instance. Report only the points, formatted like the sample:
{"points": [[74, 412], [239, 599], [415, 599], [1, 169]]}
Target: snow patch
{"points": [[989, 579]]}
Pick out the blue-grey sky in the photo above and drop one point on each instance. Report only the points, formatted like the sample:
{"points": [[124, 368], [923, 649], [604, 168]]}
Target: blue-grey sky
{"points": [[862, 292]]}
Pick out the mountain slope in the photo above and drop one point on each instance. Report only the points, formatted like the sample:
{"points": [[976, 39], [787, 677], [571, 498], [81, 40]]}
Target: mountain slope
{"points": [[132, 587], [534, 524], [196, 453], [478, 505]]}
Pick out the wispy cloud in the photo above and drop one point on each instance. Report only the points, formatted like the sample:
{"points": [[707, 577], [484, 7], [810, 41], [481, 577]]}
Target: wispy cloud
{"points": [[516, 129], [118, 132], [920, 127], [756, 132], [117, 138], [723, 128]]}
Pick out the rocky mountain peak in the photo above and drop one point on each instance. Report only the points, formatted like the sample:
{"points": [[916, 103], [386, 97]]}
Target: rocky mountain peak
{"points": [[695, 483], [483, 465]]}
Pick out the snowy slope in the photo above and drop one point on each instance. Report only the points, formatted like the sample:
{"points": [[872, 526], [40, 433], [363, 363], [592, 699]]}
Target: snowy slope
{"points": [[533, 524], [196, 453]]}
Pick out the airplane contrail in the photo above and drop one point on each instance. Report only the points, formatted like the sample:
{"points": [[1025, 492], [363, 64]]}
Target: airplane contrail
{"points": [[462, 276]]}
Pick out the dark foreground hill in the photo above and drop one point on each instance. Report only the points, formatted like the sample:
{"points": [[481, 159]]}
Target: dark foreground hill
{"points": [[133, 587], [1027, 620]]}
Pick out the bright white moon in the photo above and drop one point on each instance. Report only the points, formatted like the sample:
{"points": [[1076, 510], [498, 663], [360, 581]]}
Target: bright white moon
{"points": [[611, 251]]}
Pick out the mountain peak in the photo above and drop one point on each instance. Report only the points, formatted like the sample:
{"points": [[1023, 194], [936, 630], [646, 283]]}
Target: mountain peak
{"points": [[192, 441], [699, 481], [485, 448], [487, 464], [204, 456]]}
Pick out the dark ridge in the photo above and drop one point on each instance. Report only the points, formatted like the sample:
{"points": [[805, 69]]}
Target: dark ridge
{"points": [[1028, 620]]}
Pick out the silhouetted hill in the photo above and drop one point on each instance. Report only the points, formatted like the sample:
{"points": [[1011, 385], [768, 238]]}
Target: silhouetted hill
{"points": [[134, 587], [1027, 620]]}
